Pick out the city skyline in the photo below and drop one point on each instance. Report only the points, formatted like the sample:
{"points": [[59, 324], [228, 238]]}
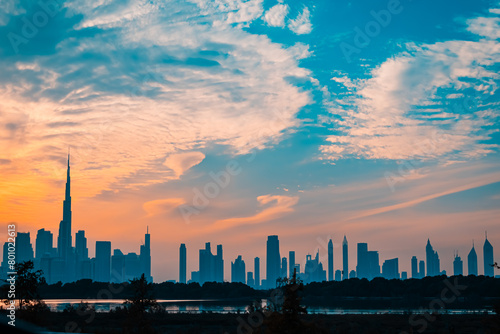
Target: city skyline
{"points": [[68, 263], [232, 121]]}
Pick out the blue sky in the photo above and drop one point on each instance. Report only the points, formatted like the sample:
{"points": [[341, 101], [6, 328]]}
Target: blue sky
{"points": [[377, 119]]}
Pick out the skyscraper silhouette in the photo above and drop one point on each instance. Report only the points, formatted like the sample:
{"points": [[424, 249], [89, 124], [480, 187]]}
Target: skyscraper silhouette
{"points": [[432, 257], [219, 265], [330, 261], [256, 269], [291, 264], [414, 267], [238, 270], [472, 261], [374, 264], [390, 269], [182, 263], [313, 271], [362, 267], [64, 243], [345, 259], [284, 267], [421, 269], [458, 265], [102, 261], [24, 248], [44, 245], [273, 261], [145, 256], [488, 257], [211, 266]]}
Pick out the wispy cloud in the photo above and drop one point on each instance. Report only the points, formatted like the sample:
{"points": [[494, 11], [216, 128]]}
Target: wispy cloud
{"points": [[432, 101]]}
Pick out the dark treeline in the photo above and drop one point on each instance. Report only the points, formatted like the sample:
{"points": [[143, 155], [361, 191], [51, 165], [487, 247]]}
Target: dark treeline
{"points": [[471, 288], [87, 289]]}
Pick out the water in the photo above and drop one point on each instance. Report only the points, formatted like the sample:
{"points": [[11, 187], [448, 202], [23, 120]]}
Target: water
{"points": [[231, 306]]}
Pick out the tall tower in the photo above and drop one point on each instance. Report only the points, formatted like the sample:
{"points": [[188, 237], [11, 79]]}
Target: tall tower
{"points": [[472, 261], [145, 256], [414, 267], [345, 259], [256, 269], [291, 265], [458, 265], [182, 263], [273, 261], [363, 266], [64, 238], [429, 256], [488, 257], [330, 261]]}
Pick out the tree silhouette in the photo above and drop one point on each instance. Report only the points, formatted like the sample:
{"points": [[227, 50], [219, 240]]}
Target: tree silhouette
{"points": [[28, 282], [287, 320], [141, 303]]}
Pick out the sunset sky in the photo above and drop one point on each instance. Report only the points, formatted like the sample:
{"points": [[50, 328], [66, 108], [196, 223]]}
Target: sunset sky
{"points": [[375, 119]]}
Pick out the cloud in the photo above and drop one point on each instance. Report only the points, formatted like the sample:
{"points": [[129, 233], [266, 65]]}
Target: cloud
{"points": [[301, 24], [484, 180], [404, 109], [181, 162], [275, 16], [161, 206], [134, 84], [485, 26], [277, 207]]}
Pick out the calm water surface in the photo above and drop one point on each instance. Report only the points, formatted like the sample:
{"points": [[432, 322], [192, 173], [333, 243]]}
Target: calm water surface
{"points": [[231, 306]]}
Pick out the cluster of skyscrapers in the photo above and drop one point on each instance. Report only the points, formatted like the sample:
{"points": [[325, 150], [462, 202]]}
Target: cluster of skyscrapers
{"points": [[211, 267], [68, 263]]}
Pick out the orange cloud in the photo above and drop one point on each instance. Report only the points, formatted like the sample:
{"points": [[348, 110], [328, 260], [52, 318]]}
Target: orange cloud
{"points": [[279, 206], [159, 206]]}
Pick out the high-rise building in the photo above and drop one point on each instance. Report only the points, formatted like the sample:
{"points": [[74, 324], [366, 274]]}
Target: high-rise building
{"points": [[472, 262], [390, 269], [404, 275], [273, 261], [433, 266], [24, 249], [219, 265], [211, 266], [338, 275], [250, 280], [145, 256], [182, 263], [363, 265], [256, 269], [421, 268], [414, 267], [44, 244], [133, 268], [313, 271], [82, 252], [117, 266], [330, 260], [458, 265], [64, 243], [291, 258], [238, 270], [488, 258], [284, 267], [374, 264], [345, 259], [102, 261]]}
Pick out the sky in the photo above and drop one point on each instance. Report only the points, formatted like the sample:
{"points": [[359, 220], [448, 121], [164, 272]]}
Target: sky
{"points": [[227, 121]]}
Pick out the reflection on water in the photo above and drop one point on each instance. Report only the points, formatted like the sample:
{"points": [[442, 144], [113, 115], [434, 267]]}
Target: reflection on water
{"points": [[231, 306]]}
